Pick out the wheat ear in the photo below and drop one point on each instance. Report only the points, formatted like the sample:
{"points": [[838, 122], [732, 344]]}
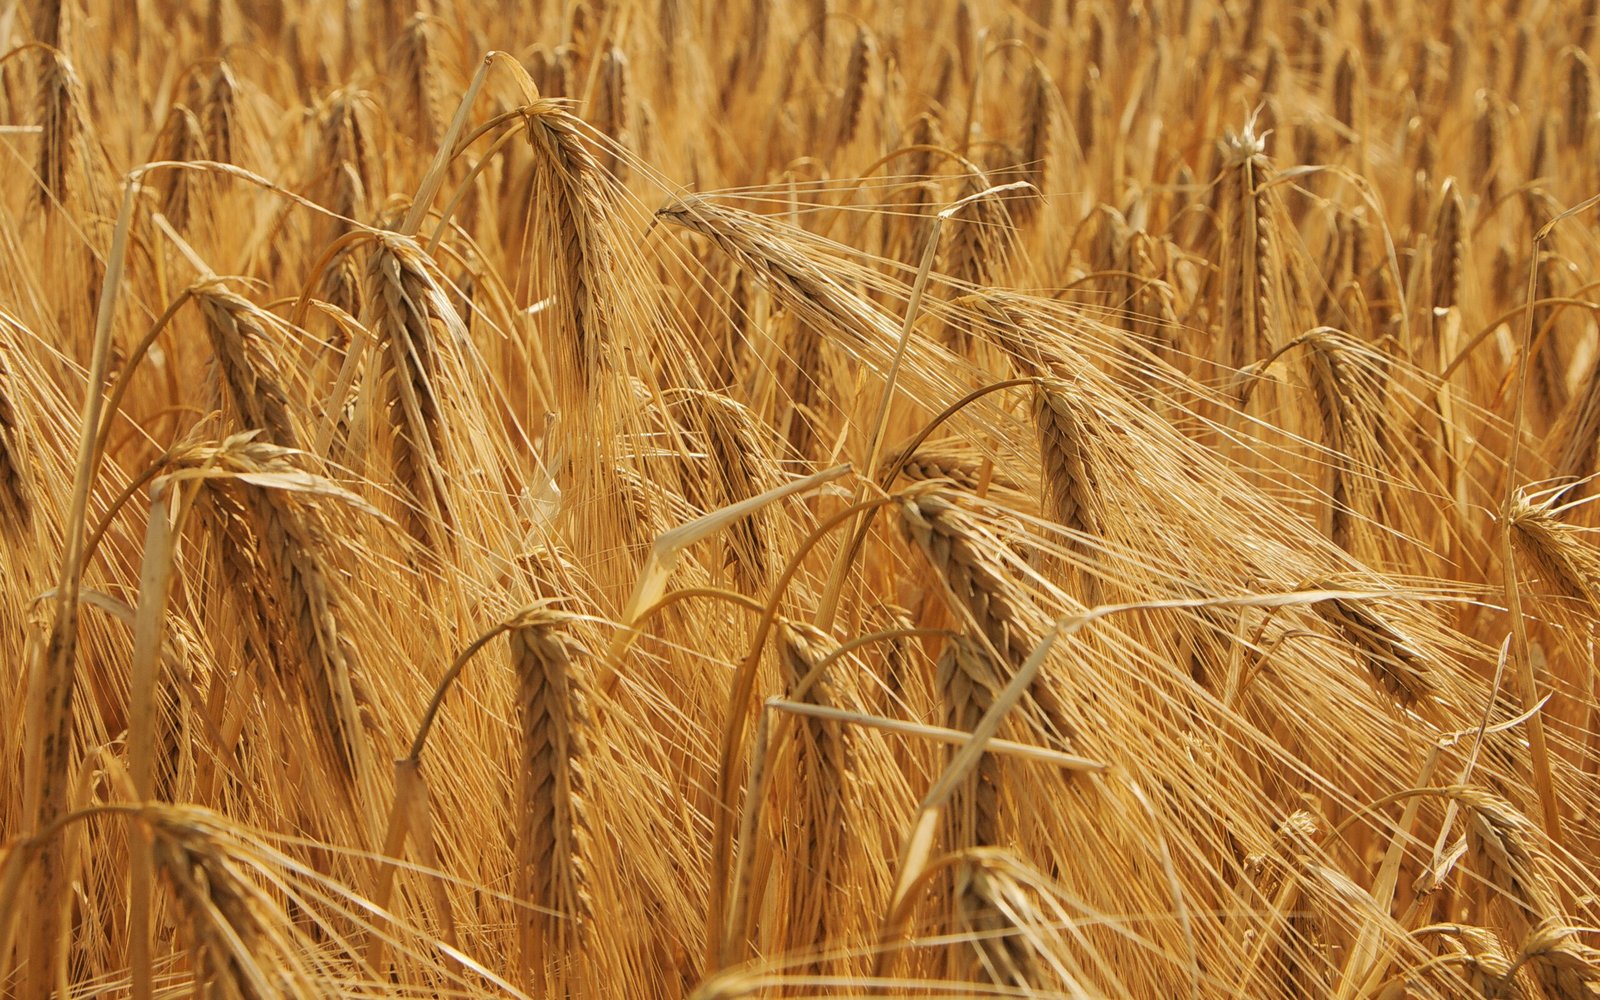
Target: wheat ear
{"points": [[552, 818]]}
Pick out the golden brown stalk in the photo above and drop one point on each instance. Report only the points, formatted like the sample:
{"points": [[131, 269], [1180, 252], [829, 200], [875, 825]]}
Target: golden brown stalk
{"points": [[15, 504], [1088, 115], [816, 296], [1347, 78], [820, 301], [220, 117], [63, 174], [553, 835], [988, 905], [611, 113], [740, 464], [982, 245], [239, 943], [1393, 659], [670, 23], [1016, 326], [751, 58], [1580, 435], [1255, 270], [1094, 50], [570, 199], [963, 552], [552, 70], [342, 286], [241, 564], [1580, 101], [1254, 19], [857, 68], [1503, 847], [1309, 144], [1449, 251], [965, 471], [383, 23], [1488, 141], [180, 139], [1565, 967], [1065, 426], [253, 385], [984, 238], [414, 326], [288, 530], [1154, 319], [806, 383], [968, 680], [1519, 61], [1484, 965], [1556, 550], [1348, 381], [1273, 72], [1038, 119], [1343, 264], [1548, 393], [1459, 64], [418, 80], [49, 20], [348, 168], [1541, 164], [816, 820]]}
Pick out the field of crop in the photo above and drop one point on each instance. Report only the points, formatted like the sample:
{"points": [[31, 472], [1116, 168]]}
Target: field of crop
{"points": [[800, 498]]}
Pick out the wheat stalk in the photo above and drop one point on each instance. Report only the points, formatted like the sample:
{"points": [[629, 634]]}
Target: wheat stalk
{"points": [[989, 907], [1555, 549], [1393, 659], [310, 652], [581, 264], [1488, 972], [553, 835], [419, 79], [968, 680], [238, 945], [962, 552], [1564, 966], [239, 332], [815, 837], [14, 474], [415, 329], [1502, 846]]}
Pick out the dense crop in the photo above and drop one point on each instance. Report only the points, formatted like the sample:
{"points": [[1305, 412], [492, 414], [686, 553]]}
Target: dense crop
{"points": [[658, 498]]}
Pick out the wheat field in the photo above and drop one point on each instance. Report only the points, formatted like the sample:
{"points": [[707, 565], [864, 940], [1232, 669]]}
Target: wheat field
{"points": [[757, 498]]}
